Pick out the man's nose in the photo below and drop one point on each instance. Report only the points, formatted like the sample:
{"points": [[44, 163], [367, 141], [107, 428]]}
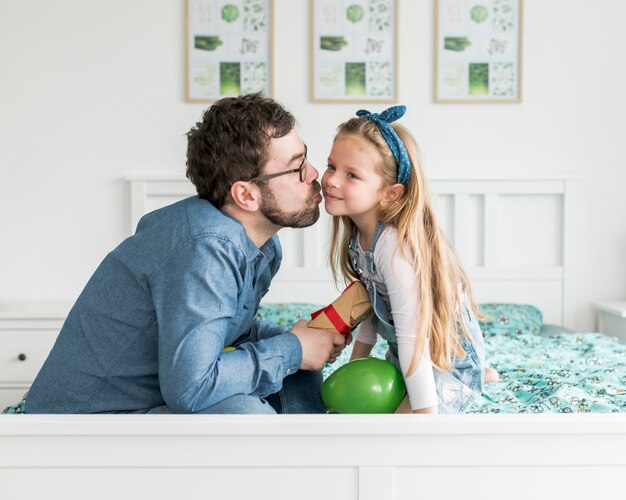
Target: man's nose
{"points": [[311, 172]]}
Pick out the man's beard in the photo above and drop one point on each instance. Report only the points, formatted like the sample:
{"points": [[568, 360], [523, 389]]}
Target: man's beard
{"points": [[302, 218]]}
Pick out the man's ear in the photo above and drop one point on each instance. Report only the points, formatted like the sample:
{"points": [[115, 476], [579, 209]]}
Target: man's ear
{"points": [[392, 193], [246, 195]]}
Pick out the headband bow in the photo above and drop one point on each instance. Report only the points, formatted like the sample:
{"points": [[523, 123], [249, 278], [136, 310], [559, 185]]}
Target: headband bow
{"points": [[396, 145]]}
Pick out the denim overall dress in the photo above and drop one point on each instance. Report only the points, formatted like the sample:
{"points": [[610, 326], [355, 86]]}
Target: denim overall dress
{"points": [[457, 388]]}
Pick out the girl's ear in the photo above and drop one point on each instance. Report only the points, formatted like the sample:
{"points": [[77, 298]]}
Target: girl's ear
{"points": [[391, 194], [245, 195]]}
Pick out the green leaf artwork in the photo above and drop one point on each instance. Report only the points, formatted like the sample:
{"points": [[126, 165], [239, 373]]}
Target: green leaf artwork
{"points": [[354, 47], [334, 43], [253, 77], [479, 13], [503, 15], [503, 79], [479, 79], [229, 48], [477, 50], [207, 42], [355, 79], [354, 13], [380, 15], [379, 79], [230, 78], [456, 43], [205, 76], [230, 13], [254, 15]]}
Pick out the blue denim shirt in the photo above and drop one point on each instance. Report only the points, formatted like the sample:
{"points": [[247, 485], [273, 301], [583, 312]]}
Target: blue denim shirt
{"points": [[151, 323]]}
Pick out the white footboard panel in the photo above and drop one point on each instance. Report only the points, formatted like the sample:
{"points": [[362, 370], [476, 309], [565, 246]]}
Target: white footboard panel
{"points": [[313, 457]]}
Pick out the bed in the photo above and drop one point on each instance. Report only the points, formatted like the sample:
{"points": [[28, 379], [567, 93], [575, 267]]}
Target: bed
{"points": [[543, 368], [554, 424]]}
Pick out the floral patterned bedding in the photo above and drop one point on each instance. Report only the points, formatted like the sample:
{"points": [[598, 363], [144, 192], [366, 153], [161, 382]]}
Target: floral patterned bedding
{"points": [[560, 373], [565, 373]]}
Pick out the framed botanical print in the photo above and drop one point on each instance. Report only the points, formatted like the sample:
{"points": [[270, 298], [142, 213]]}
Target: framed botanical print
{"points": [[478, 51], [354, 49], [228, 46]]}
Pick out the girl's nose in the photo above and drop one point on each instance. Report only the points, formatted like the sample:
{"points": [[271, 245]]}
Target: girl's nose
{"points": [[331, 178]]}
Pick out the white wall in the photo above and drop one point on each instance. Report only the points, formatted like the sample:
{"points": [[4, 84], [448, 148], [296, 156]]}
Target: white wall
{"points": [[92, 91]]}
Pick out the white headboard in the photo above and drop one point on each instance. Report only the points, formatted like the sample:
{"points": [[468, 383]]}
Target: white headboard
{"points": [[515, 236]]}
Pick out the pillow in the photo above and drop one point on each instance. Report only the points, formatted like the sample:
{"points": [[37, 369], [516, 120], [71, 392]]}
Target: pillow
{"points": [[510, 319], [547, 330]]}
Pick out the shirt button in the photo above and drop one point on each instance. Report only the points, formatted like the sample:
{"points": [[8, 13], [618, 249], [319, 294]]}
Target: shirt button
{"points": [[288, 371]]}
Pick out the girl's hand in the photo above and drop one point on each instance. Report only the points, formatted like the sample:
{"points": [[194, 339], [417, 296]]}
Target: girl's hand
{"points": [[405, 407], [432, 409]]}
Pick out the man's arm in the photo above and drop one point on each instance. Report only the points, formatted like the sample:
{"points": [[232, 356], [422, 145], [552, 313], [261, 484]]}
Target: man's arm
{"points": [[314, 342], [195, 314]]}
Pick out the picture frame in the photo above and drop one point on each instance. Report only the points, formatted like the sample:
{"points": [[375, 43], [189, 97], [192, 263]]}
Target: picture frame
{"points": [[478, 51], [354, 51], [228, 48]]}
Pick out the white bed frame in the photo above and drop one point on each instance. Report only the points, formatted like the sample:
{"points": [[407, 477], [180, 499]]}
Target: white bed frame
{"points": [[369, 457], [515, 236]]}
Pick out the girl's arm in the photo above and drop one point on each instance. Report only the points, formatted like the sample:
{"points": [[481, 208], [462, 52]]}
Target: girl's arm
{"points": [[366, 338], [420, 384], [400, 282], [360, 350]]}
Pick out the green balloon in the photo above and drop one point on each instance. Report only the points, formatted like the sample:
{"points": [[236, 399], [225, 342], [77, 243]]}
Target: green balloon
{"points": [[367, 385]]}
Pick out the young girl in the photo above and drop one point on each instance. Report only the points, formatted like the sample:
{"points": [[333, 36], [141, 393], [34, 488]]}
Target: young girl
{"points": [[385, 233]]}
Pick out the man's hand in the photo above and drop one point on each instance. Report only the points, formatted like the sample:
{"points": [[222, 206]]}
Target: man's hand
{"points": [[339, 344], [318, 346]]}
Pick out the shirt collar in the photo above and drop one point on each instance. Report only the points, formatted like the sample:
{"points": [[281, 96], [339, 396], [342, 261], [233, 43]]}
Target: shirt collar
{"points": [[237, 233]]}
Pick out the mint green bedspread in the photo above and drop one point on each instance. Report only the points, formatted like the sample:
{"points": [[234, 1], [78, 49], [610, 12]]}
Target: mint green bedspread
{"points": [[566, 373], [561, 373]]}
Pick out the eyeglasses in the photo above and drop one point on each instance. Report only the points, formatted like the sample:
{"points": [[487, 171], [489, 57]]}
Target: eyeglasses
{"points": [[301, 170]]}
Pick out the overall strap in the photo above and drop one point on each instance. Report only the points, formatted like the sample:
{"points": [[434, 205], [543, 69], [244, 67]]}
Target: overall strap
{"points": [[354, 255], [369, 253], [369, 256]]}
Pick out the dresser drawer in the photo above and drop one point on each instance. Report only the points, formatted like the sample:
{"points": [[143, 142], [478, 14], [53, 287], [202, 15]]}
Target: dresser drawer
{"points": [[22, 353]]}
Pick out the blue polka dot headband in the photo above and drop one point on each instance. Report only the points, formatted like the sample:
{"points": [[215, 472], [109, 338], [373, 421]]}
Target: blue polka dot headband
{"points": [[396, 145]]}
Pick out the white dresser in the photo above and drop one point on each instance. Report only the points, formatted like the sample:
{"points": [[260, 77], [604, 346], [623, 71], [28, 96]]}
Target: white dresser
{"points": [[612, 318], [27, 333]]}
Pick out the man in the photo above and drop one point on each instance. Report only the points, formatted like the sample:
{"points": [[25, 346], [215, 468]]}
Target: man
{"points": [[148, 332]]}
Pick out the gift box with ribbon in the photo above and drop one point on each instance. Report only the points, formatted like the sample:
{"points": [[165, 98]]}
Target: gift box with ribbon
{"points": [[346, 312]]}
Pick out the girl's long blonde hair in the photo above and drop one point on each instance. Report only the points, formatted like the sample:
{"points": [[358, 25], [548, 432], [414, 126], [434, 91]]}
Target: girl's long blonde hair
{"points": [[438, 271]]}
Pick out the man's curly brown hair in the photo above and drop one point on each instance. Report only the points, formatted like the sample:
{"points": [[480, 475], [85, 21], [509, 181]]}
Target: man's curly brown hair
{"points": [[232, 141]]}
